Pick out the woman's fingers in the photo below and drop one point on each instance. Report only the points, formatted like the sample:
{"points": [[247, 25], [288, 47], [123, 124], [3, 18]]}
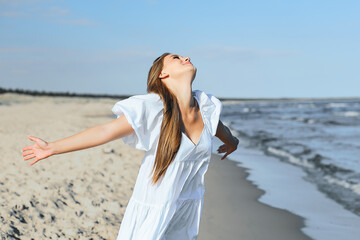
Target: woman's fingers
{"points": [[227, 149], [35, 139], [27, 148], [222, 148], [41, 143], [29, 157], [34, 161], [39, 150], [30, 147], [225, 156], [31, 138], [27, 153]]}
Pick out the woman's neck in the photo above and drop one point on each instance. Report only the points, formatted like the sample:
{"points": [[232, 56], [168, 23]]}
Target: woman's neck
{"points": [[185, 98]]}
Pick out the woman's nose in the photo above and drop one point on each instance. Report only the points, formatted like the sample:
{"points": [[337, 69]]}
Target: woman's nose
{"points": [[187, 59]]}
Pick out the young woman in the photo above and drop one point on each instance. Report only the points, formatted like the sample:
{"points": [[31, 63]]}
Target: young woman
{"points": [[175, 126]]}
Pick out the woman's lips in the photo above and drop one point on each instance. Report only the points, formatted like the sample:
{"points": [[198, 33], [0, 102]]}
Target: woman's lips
{"points": [[188, 63]]}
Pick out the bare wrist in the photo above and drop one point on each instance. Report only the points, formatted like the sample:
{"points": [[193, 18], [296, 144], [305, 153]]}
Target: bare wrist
{"points": [[52, 148], [235, 141]]}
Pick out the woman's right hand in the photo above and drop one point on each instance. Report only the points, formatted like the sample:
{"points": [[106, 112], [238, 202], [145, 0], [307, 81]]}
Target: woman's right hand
{"points": [[40, 150]]}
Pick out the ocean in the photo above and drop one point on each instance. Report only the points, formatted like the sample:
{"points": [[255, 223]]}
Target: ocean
{"points": [[305, 155]]}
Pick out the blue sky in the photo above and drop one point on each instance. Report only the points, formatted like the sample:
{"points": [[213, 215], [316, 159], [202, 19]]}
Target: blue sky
{"points": [[244, 49]]}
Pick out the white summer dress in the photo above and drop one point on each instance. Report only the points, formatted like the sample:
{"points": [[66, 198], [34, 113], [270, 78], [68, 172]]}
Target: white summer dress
{"points": [[171, 209]]}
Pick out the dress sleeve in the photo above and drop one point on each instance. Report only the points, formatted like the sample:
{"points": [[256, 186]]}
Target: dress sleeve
{"points": [[135, 112], [214, 113]]}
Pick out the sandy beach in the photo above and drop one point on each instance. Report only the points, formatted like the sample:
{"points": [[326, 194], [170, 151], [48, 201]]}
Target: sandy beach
{"points": [[84, 194]]}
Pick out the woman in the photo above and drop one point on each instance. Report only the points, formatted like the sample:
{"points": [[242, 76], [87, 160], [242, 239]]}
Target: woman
{"points": [[175, 126]]}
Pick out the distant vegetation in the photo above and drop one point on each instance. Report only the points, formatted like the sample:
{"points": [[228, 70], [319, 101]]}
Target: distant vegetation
{"points": [[68, 94], [60, 94]]}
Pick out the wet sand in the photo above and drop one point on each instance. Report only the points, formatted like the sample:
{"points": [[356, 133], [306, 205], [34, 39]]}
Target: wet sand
{"points": [[231, 209]]}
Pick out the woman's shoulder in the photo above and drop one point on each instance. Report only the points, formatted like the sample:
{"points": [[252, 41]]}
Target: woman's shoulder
{"points": [[211, 107], [201, 93], [139, 104], [206, 99], [146, 96], [148, 100]]}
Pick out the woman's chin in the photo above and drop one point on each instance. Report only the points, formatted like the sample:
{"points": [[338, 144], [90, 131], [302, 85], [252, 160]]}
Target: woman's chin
{"points": [[192, 69]]}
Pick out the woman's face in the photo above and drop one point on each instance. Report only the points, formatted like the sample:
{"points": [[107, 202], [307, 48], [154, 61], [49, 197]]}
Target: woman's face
{"points": [[177, 66]]}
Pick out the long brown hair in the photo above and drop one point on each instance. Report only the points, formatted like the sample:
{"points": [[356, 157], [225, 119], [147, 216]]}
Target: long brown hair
{"points": [[170, 133]]}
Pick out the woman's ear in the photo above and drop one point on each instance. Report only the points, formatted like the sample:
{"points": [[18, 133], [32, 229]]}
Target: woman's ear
{"points": [[163, 75]]}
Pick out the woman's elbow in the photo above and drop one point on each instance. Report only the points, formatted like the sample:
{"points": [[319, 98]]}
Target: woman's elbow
{"points": [[117, 128]]}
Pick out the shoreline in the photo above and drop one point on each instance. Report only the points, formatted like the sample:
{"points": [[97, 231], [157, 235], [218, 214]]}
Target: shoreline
{"points": [[232, 210]]}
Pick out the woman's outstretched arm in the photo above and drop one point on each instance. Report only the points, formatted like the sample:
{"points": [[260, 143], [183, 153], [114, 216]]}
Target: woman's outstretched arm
{"points": [[231, 142], [88, 138]]}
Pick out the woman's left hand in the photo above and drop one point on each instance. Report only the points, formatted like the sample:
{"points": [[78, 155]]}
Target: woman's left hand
{"points": [[228, 148]]}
